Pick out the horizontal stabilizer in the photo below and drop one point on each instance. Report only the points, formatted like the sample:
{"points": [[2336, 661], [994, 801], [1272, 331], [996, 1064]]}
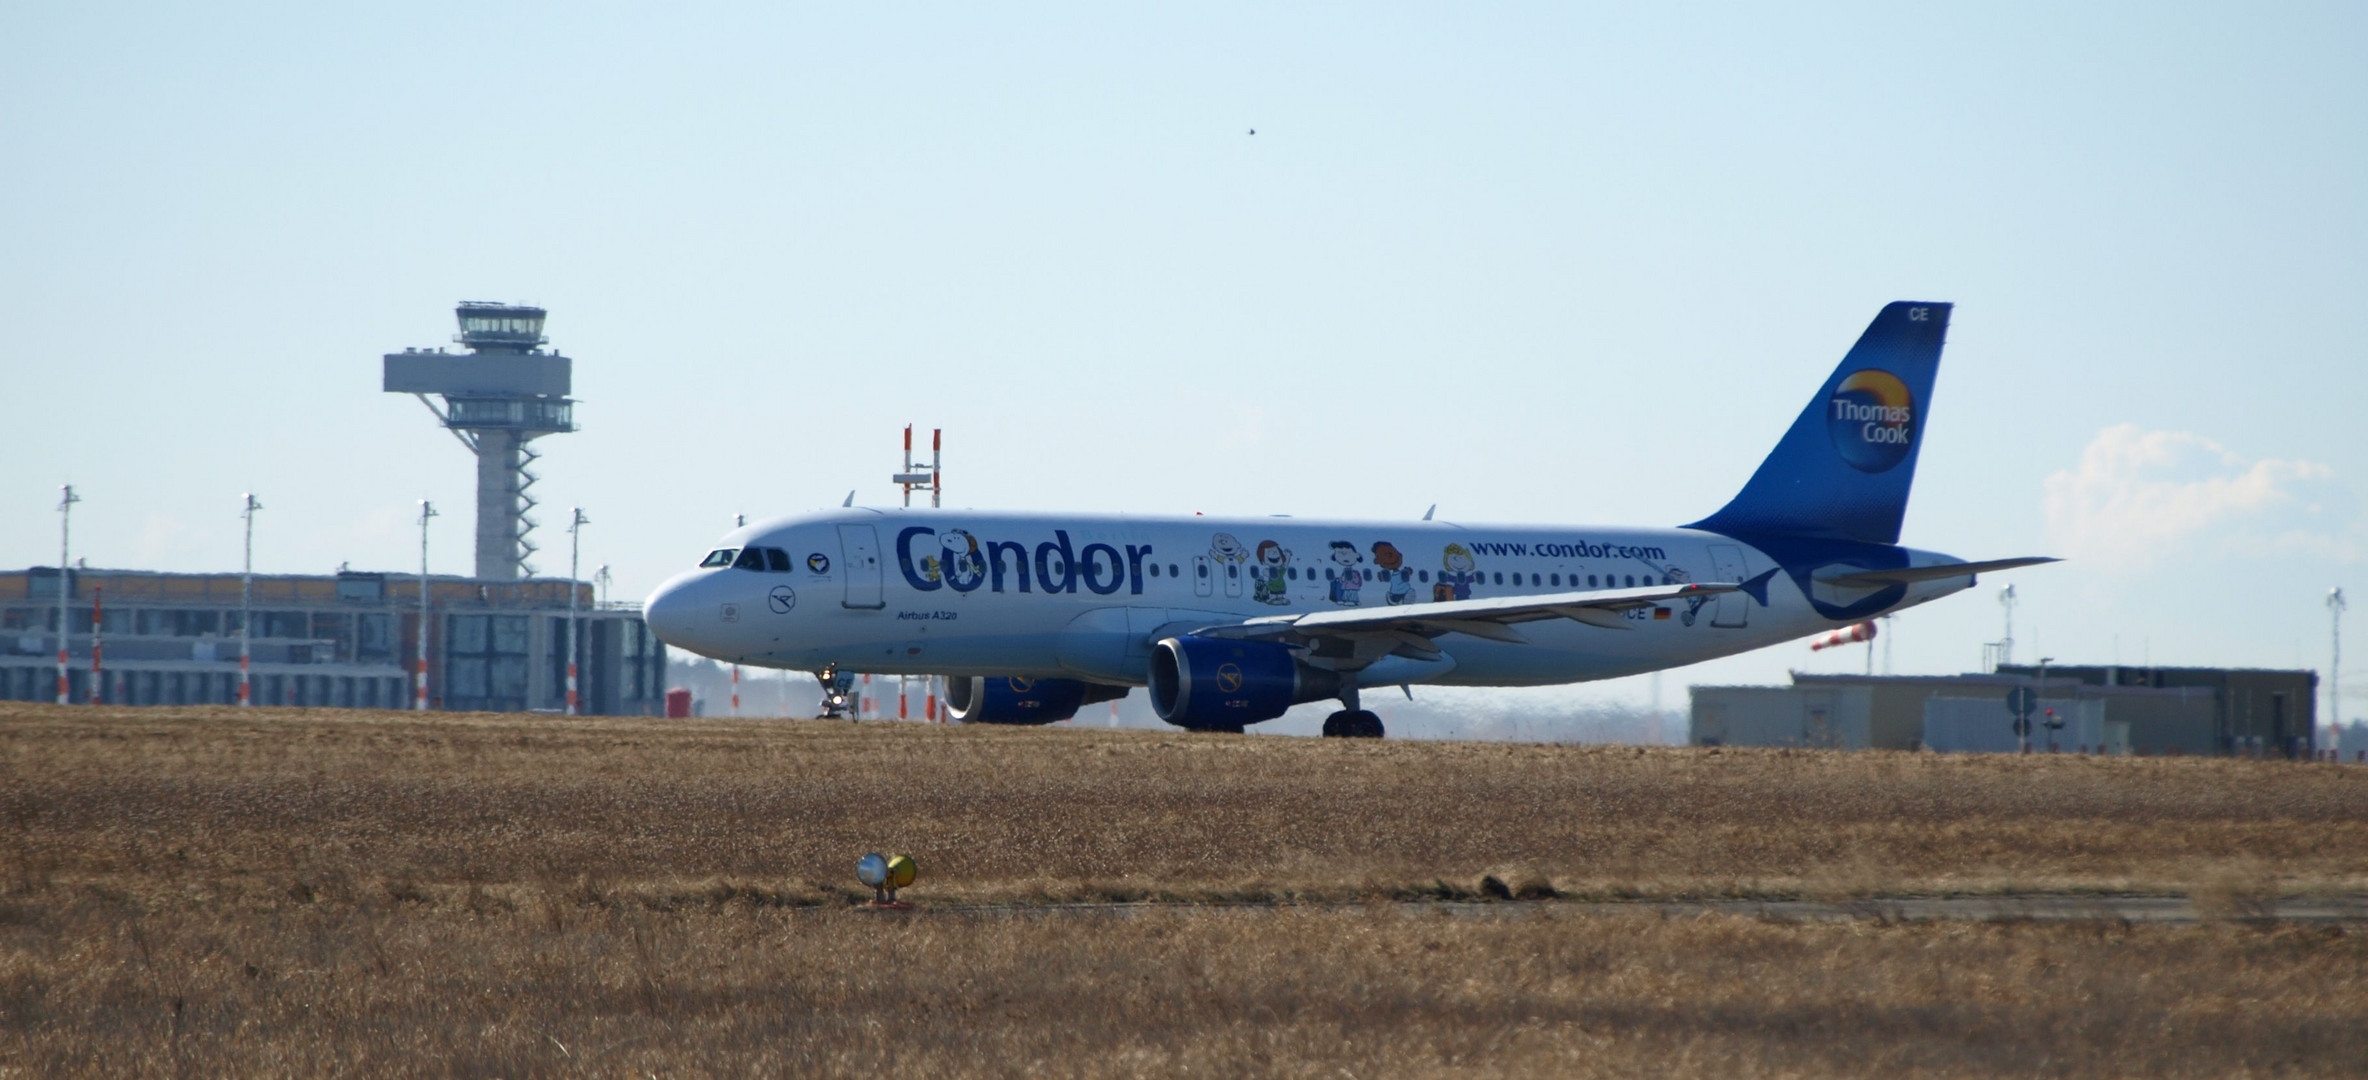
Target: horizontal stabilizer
{"points": [[1908, 575]]}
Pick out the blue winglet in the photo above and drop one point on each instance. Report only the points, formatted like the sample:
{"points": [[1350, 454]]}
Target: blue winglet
{"points": [[1843, 470]]}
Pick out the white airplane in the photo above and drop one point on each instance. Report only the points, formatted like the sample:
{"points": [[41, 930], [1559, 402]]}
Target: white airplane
{"points": [[1232, 621]]}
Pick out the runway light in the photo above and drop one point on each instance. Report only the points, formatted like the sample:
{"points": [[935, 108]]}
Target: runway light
{"points": [[886, 874]]}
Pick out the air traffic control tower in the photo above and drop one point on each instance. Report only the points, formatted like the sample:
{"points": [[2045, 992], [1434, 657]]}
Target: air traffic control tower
{"points": [[501, 393]]}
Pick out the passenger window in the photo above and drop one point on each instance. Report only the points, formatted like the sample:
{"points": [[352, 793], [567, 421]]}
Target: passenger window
{"points": [[1533, 579], [1554, 579], [1425, 576], [1172, 571], [1327, 573], [777, 560], [1631, 581], [719, 557], [1590, 581], [1500, 577], [1154, 569], [1202, 570], [1233, 570]]}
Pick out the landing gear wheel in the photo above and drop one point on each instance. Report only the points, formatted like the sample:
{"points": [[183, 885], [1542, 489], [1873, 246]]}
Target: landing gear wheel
{"points": [[1352, 724]]}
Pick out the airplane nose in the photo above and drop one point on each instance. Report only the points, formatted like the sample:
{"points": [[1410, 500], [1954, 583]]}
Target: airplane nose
{"points": [[668, 614]]}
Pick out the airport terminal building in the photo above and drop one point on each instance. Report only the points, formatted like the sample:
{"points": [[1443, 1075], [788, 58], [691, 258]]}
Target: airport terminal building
{"points": [[2109, 709], [347, 640]]}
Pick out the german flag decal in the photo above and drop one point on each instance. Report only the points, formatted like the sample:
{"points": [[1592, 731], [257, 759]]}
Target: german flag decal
{"points": [[1660, 613]]}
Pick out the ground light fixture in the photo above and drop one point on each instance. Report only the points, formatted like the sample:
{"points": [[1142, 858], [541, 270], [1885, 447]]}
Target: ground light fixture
{"points": [[885, 874]]}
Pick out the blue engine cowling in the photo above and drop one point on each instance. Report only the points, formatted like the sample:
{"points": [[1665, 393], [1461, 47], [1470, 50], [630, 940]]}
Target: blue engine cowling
{"points": [[1215, 684], [1017, 699]]}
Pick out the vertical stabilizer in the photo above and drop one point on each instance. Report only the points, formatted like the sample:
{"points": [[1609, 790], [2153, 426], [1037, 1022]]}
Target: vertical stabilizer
{"points": [[1844, 469]]}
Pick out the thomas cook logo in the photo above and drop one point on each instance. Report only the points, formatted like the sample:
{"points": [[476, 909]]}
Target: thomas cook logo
{"points": [[1872, 420]]}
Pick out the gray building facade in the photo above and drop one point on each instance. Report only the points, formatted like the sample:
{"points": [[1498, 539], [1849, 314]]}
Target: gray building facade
{"points": [[347, 640]]}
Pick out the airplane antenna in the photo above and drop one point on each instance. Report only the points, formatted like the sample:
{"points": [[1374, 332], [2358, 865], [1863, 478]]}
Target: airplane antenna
{"points": [[1426, 515], [850, 499]]}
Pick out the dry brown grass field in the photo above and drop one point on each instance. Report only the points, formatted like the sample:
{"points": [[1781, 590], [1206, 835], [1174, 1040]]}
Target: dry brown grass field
{"points": [[280, 892]]}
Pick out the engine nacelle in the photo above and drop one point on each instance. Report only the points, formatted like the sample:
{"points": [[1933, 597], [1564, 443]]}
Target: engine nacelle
{"points": [[1216, 684], [1017, 699]]}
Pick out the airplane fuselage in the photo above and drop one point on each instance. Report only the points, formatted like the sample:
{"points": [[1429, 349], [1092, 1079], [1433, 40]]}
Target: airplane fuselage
{"points": [[949, 592]]}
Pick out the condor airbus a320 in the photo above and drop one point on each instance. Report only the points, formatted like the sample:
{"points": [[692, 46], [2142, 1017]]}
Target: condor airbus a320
{"points": [[1232, 621]]}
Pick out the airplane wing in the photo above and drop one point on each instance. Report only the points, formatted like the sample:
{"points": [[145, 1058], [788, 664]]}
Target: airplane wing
{"points": [[1871, 579], [1409, 629]]}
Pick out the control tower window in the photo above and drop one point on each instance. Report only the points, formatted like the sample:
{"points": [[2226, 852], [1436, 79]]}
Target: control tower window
{"points": [[719, 557]]}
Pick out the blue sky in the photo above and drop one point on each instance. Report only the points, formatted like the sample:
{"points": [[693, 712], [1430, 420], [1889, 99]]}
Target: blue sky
{"points": [[1532, 263]]}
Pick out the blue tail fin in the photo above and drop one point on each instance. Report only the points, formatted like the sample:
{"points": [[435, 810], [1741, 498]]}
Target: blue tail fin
{"points": [[1843, 470]]}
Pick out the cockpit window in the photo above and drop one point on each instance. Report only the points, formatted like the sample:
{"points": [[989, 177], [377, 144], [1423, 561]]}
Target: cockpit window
{"points": [[750, 559], [777, 560], [719, 557]]}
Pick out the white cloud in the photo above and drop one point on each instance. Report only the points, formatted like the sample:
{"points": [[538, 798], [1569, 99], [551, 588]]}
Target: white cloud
{"points": [[2140, 498]]}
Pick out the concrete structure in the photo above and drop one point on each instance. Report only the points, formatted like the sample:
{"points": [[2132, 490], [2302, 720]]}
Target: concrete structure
{"points": [[2112, 710], [505, 391], [2254, 710], [343, 640]]}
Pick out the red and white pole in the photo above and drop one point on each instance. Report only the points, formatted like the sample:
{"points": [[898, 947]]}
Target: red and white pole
{"points": [[901, 697], [735, 690], [929, 699], [937, 477], [65, 588], [98, 677]]}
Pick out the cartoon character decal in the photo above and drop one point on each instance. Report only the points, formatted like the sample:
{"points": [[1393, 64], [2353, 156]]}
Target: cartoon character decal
{"points": [[1349, 580], [1676, 575], [1456, 580], [1392, 568], [1226, 560], [1269, 573], [959, 563]]}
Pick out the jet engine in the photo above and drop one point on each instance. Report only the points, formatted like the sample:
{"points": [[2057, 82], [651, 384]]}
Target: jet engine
{"points": [[1216, 684], [1017, 699]]}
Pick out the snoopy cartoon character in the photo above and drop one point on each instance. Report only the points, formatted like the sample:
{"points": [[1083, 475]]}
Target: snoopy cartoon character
{"points": [[960, 561], [1350, 578]]}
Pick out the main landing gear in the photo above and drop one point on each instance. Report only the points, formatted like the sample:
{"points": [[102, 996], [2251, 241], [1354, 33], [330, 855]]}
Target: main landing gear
{"points": [[1353, 722]]}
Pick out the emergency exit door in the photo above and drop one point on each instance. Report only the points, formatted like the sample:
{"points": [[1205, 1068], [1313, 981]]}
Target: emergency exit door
{"points": [[1732, 608]]}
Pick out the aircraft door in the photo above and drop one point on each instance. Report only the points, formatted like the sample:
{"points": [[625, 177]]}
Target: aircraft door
{"points": [[859, 548], [1733, 609], [1200, 575]]}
